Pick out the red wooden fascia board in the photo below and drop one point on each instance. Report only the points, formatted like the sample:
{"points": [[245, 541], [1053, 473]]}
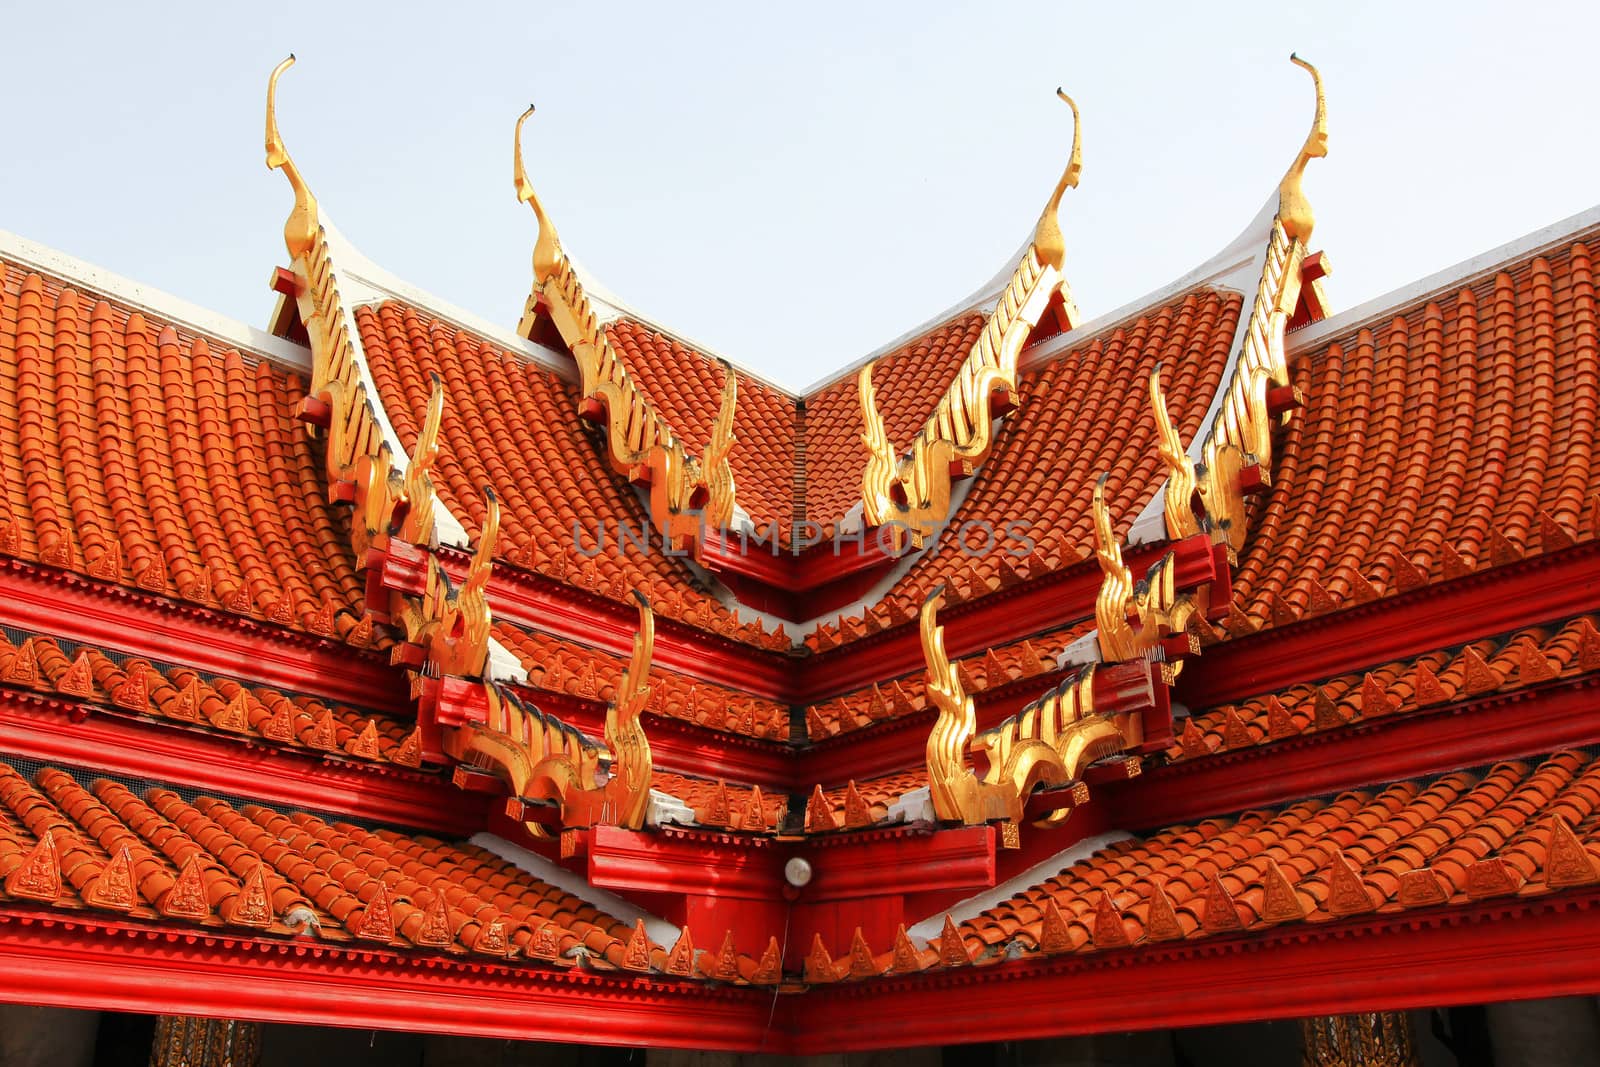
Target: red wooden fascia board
{"points": [[1550, 585], [896, 862], [1509, 949], [678, 865], [1504, 726], [39, 727], [81, 962], [108, 616], [819, 565]]}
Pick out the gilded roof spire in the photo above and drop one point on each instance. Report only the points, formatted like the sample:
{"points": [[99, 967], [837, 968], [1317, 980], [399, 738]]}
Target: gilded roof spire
{"points": [[547, 249], [300, 231], [1048, 244], [1294, 210]]}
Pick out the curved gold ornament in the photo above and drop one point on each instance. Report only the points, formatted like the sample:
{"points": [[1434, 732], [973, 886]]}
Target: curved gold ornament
{"points": [[418, 525], [1178, 500], [301, 228], [960, 433], [639, 443], [1294, 210], [1111, 606], [1046, 745]]}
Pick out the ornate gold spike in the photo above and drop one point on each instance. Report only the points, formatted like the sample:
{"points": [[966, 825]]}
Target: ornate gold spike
{"points": [[1047, 744], [1178, 502], [301, 229], [1048, 244], [629, 786], [716, 473], [1294, 210], [913, 491], [547, 254], [418, 525], [453, 623], [1116, 636]]}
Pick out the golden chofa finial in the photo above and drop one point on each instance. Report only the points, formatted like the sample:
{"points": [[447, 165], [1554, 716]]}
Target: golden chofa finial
{"points": [[301, 230], [1048, 244], [1294, 210], [547, 249]]}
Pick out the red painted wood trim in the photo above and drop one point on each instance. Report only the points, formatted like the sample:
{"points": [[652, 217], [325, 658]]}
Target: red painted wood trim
{"points": [[850, 867], [63, 605], [1473, 954], [82, 961], [698, 865], [1548, 586], [39, 727], [1527, 722]]}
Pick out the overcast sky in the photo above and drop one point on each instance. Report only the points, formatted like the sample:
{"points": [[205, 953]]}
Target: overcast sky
{"points": [[792, 185]]}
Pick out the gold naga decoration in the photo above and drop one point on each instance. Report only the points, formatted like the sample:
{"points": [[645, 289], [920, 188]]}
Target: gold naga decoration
{"points": [[912, 492], [1132, 618], [356, 452], [543, 759], [685, 491], [1048, 743], [1242, 434]]}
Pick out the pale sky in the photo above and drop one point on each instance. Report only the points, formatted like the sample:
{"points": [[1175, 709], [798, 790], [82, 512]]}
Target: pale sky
{"points": [[793, 185]]}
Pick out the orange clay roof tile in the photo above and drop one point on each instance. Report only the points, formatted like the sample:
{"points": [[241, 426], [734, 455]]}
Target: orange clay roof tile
{"points": [[1448, 439], [210, 863], [148, 458]]}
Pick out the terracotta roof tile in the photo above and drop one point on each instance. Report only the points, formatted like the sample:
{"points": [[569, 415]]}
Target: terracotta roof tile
{"points": [[149, 457], [1081, 414], [1459, 435]]}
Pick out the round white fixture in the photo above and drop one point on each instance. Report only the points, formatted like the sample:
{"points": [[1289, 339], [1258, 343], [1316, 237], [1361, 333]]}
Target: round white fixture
{"points": [[797, 872]]}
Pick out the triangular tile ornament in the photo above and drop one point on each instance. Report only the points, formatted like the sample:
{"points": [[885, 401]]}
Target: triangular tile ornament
{"points": [[718, 813], [281, 610], [153, 575], [819, 965], [1533, 667], [816, 725], [726, 968], [1109, 929], [1054, 937], [1362, 591], [409, 754], [905, 953], [10, 537], [636, 954], [361, 633], [1161, 922], [320, 621], [1192, 740], [435, 932], [1502, 552], [187, 897], [754, 816], [1324, 714], [1347, 894], [769, 970], [1280, 724], [1283, 613], [365, 744], [377, 920], [491, 939], [680, 961], [1553, 537], [1421, 888], [1492, 877], [1567, 862], [819, 813], [1454, 564], [952, 947], [547, 943], [190, 700], [78, 679], [862, 964], [39, 877], [280, 727], [235, 714], [1318, 600], [1279, 903], [24, 666], [1480, 678], [1407, 576], [1429, 690], [1032, 663], [1588, 658], [134, 692], [1222, 915], [1235, 734], [1375, 700], [324, 734], [856, 812], [251, 907], [114, 888]]}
